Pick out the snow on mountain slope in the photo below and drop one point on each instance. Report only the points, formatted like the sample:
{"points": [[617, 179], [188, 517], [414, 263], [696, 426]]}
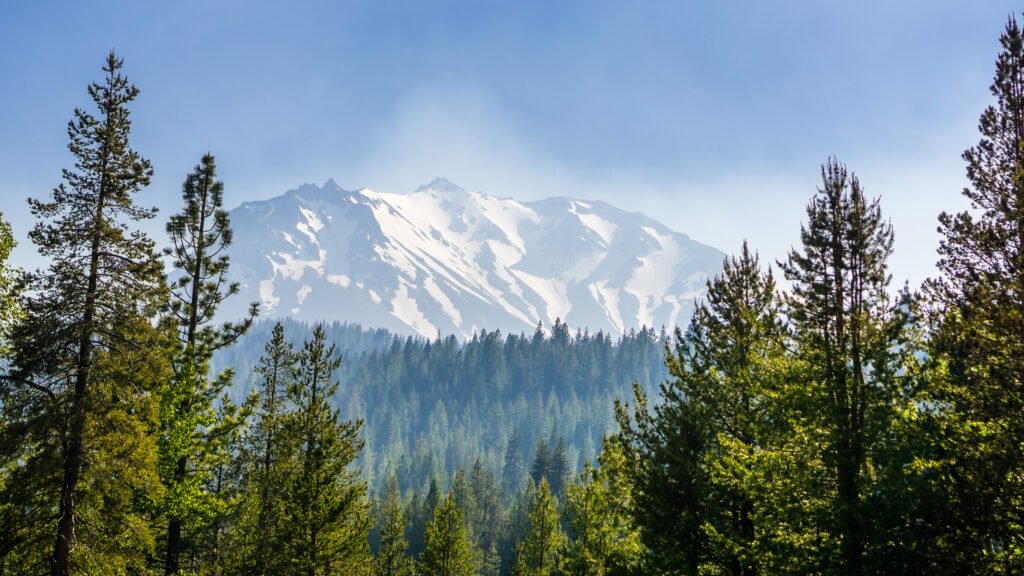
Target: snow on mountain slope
{"points": [[443, 259]]}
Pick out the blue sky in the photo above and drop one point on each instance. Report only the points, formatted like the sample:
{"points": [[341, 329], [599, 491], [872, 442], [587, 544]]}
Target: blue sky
{"points": [[710, 116]]}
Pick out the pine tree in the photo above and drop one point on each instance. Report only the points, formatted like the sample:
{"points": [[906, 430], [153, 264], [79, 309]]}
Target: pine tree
{"points": [[11, 522], [559, 468], [489, 510], [517, 524], [200, 236], [268, 456], [541, 551], [514, 471], [465, 500], [421, 513], [393, 558], [982, 336], [665, 451], [220, 548], [328, 515], [604, 538], [448, 549], [733, 356], [540, 468], [844, 327], [87, 315]]}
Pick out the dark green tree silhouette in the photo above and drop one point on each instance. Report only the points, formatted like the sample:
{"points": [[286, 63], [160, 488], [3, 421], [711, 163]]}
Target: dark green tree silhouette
{"points": [[981, 337]]}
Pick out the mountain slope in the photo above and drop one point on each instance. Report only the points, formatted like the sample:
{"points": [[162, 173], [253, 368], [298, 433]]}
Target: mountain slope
{"points": [[443, 259]]}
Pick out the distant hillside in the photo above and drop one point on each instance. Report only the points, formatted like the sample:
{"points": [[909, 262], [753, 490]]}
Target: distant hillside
{"points": [[431, 406]]}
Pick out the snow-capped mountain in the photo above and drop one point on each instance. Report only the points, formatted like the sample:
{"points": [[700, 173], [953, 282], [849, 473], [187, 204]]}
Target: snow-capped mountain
{"points": [[446, 260]]}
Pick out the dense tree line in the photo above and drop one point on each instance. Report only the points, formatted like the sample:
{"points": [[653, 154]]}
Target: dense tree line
{"points": [[433, 406], [834, 426]]}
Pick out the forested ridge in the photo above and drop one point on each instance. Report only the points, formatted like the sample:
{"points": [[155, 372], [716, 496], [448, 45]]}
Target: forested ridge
{"points": [[831, 425], [432, 406]]}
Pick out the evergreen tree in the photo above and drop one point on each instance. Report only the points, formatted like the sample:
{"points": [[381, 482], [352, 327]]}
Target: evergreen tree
{"points": [[220, 547], [448, 549], [517, 525], [465, 500], [487, 523], [269, 457], [328, 516], [421, 513], [559, 468], [665, 451], [393, 558], [514, 471], [604, 538], [11, 520], [846, 332], [82, 413], [200, 236], [540, 468], [733, 359], [541, 551], [981, 337]]}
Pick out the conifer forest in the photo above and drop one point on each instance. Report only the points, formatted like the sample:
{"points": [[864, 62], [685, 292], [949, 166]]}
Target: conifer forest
{"points": [[811, 418]]}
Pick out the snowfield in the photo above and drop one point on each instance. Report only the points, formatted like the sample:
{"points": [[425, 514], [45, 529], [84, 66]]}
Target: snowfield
{"points": [[451, 261]]}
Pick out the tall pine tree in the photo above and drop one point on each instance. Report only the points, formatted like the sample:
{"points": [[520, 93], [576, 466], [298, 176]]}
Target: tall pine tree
{"points": [[982, 332], [268, 455], [200, 236], [84, 411], [328, 514], [733, 363], [844, 326]]}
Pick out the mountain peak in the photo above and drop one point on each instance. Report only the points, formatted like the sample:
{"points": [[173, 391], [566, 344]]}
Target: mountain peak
{"points": [[453, 261], [440, 184]]}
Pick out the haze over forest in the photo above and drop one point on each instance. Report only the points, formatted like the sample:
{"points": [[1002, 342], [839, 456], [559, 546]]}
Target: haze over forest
{"points": [[449, 381]]}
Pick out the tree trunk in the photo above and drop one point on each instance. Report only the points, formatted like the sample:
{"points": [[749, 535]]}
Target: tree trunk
{"points": [[173, 563], [74, 447]]}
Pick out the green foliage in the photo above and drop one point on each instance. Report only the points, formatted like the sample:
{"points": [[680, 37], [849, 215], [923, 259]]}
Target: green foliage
{"points": [[267, 458], [327, 521], [846, 332], [604, 538], [191, 443], [981, 338], [392, 558], [541, 553], [9, 309], [77, 405], [448, 551]]}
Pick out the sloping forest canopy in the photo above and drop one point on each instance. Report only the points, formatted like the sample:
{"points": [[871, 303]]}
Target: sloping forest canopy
{"points": [[836, 426]]}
